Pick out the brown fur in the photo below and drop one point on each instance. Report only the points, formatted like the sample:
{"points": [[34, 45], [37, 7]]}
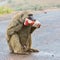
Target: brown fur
{"points": [[18, 35]]}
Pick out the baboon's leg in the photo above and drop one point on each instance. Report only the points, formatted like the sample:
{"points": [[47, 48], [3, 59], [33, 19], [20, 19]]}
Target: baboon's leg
{"points": [[30, 47], [15, 44], [30, 42], [8, 41]]}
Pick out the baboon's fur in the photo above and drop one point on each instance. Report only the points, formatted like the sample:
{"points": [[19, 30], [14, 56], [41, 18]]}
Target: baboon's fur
{"points": [[18, 35]]}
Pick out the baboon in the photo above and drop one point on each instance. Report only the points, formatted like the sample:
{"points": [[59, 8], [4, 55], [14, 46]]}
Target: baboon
{"points": [[19, 33]]}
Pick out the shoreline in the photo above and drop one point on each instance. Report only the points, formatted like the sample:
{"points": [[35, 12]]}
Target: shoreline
{"points": [[9, 16]]}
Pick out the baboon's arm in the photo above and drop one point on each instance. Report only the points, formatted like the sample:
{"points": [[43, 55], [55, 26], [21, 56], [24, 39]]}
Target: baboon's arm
{"points": [[17, 25], [32, 29]]}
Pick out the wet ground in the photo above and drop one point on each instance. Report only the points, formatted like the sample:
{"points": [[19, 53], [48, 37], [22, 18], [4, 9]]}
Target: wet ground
{"points": [[46, 39]]}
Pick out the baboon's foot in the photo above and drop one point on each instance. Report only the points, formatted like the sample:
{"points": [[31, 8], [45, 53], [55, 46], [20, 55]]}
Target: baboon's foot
{"points": [[12, 52], [18, 53], [32, 50]]}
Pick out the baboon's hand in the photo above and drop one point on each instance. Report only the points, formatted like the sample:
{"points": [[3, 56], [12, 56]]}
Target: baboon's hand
{"points": [[24, 47], [37, 24]]}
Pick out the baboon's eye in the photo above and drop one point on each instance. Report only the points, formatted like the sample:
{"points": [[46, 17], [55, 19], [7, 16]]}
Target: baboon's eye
{"points": [[31, 18], [30, 14]]}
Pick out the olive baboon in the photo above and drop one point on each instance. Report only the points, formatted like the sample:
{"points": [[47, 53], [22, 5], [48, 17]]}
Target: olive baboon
{"points": [[19, 33]]}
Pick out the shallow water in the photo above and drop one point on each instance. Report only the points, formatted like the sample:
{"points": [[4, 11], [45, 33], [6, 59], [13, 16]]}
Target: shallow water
{"points": [[46, 39]]}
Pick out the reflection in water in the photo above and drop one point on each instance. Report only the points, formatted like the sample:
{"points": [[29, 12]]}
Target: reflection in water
{"points": [[33, 56], [8, 56]]}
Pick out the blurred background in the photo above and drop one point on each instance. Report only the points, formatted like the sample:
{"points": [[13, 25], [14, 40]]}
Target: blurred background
{"points": [[7, 6]]}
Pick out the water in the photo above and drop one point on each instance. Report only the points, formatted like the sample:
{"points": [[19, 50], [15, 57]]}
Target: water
{"points": [[46, 39]]}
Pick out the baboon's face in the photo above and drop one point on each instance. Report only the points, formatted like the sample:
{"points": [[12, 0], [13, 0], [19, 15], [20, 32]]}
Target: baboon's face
{"points": [[30, 20], [27, 14]]}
